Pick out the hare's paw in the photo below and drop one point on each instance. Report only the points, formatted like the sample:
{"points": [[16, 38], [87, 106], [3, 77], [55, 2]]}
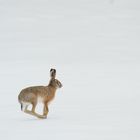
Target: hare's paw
{"points": [[42, 117]]}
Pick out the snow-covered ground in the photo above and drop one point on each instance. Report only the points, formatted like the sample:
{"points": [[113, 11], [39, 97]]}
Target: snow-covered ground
{"points": [[95, 47]]}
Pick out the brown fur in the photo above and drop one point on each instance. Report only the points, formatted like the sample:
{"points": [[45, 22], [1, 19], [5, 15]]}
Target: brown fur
{"points": [[31, 95]]}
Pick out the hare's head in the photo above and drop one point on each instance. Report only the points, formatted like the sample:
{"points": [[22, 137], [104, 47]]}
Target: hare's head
{"points": [[54, 82]]}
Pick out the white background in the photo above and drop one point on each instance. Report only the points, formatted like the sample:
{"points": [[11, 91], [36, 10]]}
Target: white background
{"points": [[95, 47]]}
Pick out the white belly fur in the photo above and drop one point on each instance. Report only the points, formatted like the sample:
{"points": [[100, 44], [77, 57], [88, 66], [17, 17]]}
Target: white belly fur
{"points": [[39, 99]]}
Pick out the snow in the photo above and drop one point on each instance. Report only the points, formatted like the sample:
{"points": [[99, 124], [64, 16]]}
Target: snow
{"points": [[94, 46]]}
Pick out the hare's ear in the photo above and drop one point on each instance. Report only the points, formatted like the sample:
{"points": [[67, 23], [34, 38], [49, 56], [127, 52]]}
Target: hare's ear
{"points": [[52, 73]]}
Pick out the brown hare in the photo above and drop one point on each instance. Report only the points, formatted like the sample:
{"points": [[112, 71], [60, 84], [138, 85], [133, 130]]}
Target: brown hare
{"points": [[35, 94]]}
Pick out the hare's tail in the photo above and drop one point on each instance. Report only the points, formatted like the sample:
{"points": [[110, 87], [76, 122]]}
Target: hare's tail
{"points": [[21, 107], [19, 100]]}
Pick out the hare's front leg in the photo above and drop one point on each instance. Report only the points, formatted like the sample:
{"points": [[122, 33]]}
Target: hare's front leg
{"points": [[46, 109], [36, 114], [34, 106]]}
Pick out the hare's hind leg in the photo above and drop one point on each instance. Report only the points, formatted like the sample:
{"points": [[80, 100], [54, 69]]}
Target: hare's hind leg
{"points": [[24, 107], [32, 112]]}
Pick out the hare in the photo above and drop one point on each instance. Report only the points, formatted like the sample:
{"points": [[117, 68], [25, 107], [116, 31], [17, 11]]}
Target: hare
{"points": [[35, 94]]}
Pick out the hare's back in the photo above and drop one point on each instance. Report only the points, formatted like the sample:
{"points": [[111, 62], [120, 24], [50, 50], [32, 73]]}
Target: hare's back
{"points": [[34, 89], [31, 93]]}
